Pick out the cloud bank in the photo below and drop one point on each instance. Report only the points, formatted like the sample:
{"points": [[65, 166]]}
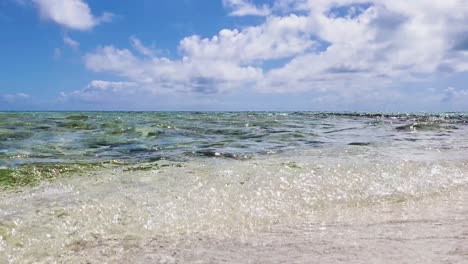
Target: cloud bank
{"points": [[346, 47]]}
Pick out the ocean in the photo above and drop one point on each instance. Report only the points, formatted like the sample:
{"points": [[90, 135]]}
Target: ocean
{"points": [[233, 187]]}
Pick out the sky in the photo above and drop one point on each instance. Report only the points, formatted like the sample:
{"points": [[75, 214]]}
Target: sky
{"points": [[234, 55]]}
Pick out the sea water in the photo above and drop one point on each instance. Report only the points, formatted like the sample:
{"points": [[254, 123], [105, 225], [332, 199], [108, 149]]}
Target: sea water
{"points": [[245, 187]]}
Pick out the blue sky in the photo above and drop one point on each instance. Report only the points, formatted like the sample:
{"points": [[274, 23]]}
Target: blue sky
{"points": [[334, 55]]}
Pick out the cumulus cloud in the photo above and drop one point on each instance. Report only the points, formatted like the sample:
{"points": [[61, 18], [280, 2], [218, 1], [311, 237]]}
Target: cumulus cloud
{"points": [[277, 38], [72, 14], [385, 42], [160, 74], [346, 47], [246, 8], [231, 59]]}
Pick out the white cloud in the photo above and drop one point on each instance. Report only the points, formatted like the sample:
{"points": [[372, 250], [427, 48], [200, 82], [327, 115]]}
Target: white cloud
{"points": [[71, 42], [106, 85], [159, 74], [277, 38], [385, 42], [347, 47], [228, 60], [246, 8], [72, 14], [137, 45]]}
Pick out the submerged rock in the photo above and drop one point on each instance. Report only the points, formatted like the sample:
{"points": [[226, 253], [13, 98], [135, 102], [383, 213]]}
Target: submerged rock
{"points": [[359, 144], [154, 134]]}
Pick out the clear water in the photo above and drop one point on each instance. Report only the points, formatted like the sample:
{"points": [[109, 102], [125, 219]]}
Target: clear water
{"points": [[63, 137], [248, 187]]}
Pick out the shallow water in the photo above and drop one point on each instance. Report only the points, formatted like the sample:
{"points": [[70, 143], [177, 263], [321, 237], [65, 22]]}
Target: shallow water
{"points": [[63, 137], [384, 189]]}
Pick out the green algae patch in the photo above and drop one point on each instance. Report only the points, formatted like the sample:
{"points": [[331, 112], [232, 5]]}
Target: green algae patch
{"points": [[151, 167], [141, 168], [78, 117], [106, 140], [8, 134], [122, 130], [77, 125], [6, 177], [32, 174], [292, 165], [111, 124], [154, 134]]}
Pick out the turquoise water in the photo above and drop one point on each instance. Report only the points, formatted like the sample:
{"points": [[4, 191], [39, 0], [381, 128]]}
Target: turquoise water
{"points": [[55, 137]]}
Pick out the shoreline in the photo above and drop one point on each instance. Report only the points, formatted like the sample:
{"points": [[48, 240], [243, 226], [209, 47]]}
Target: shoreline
{"points": [[228, 211], [430, 230]]}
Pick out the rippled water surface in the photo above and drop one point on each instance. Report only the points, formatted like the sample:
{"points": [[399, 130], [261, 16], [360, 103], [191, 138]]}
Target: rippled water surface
{"points": [[233, 188], [63, 137]]}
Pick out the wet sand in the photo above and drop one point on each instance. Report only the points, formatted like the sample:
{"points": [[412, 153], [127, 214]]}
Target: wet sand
{"points": [[432, 230]]}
